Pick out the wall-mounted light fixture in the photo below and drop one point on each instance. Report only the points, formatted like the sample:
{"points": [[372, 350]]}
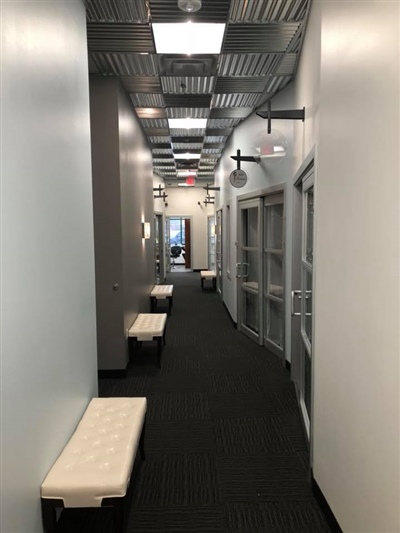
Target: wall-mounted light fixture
{"points": [[146, 230]]}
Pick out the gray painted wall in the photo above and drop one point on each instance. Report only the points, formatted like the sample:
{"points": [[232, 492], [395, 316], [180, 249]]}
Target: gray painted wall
{"points": [[136, 178], [107, 222], [123, 199], [48, 330]]}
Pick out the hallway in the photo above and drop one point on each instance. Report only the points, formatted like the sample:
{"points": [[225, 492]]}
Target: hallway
{"points": [[224, 442]]}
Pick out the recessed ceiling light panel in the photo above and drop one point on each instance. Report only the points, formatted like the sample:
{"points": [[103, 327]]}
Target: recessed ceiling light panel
{"points": [[188, 37], [187, 156], [187, 123]]}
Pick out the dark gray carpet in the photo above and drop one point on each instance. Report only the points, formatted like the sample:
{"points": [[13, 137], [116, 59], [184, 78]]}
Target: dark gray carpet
{"points": [[224, 441]]}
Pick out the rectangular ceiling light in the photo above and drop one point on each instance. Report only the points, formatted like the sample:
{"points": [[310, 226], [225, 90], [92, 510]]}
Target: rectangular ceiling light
{"points": [[188, 155], [188, 38], [187, 123]]}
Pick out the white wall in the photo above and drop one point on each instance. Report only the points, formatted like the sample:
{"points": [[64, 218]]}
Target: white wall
{"points": [[356, 414], [183, 202], [348, 80], [48, 294]]}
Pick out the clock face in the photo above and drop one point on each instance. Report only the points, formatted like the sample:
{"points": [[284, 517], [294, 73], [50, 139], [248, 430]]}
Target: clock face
{"points": [[238, 178]]}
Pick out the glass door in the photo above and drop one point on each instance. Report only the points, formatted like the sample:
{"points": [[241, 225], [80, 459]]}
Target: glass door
{"points": [[218, 250], [273, 268], [167, 246], [248, 270], [306, 299], [211, 242], [302, 293]]}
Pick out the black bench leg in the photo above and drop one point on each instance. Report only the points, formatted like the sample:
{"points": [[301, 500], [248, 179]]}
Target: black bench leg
{"points": [[170, 305], [202, 283], [215, 283], [49, 516], [119, 515], [141, 441]]}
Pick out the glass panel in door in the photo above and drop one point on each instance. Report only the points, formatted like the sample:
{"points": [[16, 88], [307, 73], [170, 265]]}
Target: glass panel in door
{"points": [[211, 243], [306, 302], [167, 246], [273, 268], [218, 250], [248, 269]]}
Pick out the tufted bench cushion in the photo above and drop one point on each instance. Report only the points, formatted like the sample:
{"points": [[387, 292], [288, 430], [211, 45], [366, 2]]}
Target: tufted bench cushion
{"points": [[148, 327], [208, 274], [161, 292], [96, 463]]}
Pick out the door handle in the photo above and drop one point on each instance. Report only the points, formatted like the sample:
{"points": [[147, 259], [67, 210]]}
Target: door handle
{"points": [[247, 274], [298, 294], [115, 286]]}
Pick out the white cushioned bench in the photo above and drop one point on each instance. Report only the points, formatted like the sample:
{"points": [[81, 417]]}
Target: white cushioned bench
{"points": [[95, 467], [149, 327], [161, 292], [208, 274]]}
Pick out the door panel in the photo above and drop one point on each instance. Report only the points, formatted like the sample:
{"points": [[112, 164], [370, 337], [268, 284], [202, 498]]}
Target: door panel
{"points": [[302, 295], [273, 270], [218, 250], [248, 269]]}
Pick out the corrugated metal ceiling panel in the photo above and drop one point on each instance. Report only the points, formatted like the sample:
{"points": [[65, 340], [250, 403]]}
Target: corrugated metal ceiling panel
{"points": [[240, 85], [168, 11], [147, 100], [180, 132], [186, 85], [294, 46], [154, 139], [287, 65], [278, 83], [258, 38], [267, 10], [214, 145], [188, 112], [150, 132], [161, 151], [235, 100], [218, 131], [214, 139], [230, 112], [166, 159], [175, 100], [259, 58], [161, 146], [120, 11], [120, 64], [186, 139], [187, 146], [248, 64], [141, 84], [210, 151], [154, 123], [223, 122], [120, 37]]}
